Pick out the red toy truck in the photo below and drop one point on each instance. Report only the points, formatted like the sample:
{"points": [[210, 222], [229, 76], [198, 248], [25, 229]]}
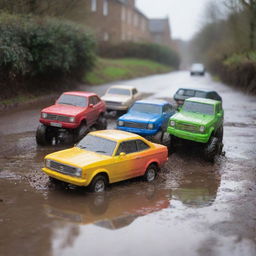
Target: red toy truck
{"points": [[70, 118]]}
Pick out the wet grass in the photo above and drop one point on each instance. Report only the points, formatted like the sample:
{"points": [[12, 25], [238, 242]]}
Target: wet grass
{"points": [[108, 70]]}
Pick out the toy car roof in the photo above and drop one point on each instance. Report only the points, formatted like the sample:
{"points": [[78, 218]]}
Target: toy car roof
{"points": [[123, 86], [153, 102], [202, 100], [198, 90], [80, 93], [115, 135]]}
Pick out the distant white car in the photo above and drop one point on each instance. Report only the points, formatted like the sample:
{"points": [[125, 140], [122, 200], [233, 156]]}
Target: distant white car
{"points": [[197, 69], [121, 97]]}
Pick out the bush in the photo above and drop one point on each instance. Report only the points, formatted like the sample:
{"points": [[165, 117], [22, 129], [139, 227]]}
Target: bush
{"points": [[33, 47], [155, 52]]}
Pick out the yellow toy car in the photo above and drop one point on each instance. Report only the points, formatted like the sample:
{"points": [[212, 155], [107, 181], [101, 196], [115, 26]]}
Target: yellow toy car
{"points": [[104, 157]]}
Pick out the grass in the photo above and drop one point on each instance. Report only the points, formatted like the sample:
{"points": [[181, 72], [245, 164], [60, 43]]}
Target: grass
{"points": [[108, 70], [237, 59]]}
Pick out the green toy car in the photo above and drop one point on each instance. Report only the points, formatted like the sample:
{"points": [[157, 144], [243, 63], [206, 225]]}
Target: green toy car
{"points": [[199, 120]]}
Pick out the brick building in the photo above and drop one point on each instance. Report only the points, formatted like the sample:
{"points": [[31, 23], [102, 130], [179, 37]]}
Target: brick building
{"points": [[118, 21], [160, 31]]}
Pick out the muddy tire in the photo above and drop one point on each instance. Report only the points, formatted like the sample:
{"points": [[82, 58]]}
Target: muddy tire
{"points": [[158, 138], [219, 134], [150, 173], [98, 184], [172, 144], [212, 148], [81, 131], [43, 137], [101, 123]]}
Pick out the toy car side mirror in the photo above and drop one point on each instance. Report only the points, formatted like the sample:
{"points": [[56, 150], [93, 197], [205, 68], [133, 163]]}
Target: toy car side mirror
{"points": [[91, 106], [122, 154], [219, 115]]}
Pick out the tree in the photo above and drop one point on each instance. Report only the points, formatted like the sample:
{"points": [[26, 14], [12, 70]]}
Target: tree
{"points": [[250, 5]]}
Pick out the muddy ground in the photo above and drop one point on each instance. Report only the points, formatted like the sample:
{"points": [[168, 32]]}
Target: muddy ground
{"points": [[194, 207]]}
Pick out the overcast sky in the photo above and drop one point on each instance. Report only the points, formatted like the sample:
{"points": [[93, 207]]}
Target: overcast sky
{"points": [[185, 15]]}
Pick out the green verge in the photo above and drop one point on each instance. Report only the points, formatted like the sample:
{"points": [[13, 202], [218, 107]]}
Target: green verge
{"points": [[109, 70]]}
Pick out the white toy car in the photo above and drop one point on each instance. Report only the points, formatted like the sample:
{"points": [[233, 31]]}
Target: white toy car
{"points": [[120, 97], [197, 69]]}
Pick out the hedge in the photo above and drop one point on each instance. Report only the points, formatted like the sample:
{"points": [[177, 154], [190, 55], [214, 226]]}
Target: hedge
{"points": [[32, 47], [155, 52]]}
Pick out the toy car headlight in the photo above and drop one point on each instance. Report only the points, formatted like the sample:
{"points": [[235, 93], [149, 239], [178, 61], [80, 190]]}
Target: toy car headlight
{"points": [[72, 119], [48, 163], [78, 172], [150, 126], [120, 123], [202, 128], [44, 115], [172, 123]]}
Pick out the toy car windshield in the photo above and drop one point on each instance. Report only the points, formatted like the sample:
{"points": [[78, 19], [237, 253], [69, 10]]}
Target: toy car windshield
{"points": [[147, 108], [97, 144], [119, 91], [74, 100], [196, 107]]}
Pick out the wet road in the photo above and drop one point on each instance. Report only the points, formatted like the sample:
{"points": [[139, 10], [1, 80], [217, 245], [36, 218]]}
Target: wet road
{"points": [[194, 208]]}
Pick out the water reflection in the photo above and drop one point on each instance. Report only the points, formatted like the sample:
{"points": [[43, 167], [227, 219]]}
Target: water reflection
{"points": [[113, 210], [198, 188]]}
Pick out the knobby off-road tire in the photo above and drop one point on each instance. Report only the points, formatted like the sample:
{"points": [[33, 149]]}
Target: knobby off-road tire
{"points": [[150, 173], [43, 137], [172, 144], [219, 134], [212, 148], [101, 123], [81, 131], [158, 137], [98, 184]]}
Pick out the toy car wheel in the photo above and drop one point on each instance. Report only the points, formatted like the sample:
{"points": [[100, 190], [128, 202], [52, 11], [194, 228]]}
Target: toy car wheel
{"points": [[220, 134], [212, 148], [98, 184], [172, 143], [82, 130], [101, 123], [158, 138], [150, 173], [43, 137]]}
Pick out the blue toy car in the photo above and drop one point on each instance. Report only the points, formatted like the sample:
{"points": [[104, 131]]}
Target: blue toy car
{"points": [[148, 118]]}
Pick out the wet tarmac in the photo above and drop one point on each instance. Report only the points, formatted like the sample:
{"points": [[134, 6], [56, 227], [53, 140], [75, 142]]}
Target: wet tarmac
{"points": [[193, 208]]}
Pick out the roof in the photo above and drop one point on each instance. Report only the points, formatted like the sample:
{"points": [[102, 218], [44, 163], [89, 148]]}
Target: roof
{"points": [[158, 25], [115, 135], [153, 102], [203, 100], [198, 90], [80, 93], [123, 87]]}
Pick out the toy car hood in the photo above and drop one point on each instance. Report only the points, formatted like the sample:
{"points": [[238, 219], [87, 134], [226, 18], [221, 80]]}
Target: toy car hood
{"points": [[62, 109], [140, 117], [77, 157], [195, 118]]}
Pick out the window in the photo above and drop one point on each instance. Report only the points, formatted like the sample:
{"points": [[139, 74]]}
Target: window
{"points": [[94, 5], [73, 100], [91, 101], [167, 109], [141, 145], [135, 20], [97, 144], [119, 91], [134, 91], [123, 14], [127, 147], [105, 7], [106, 36]]}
